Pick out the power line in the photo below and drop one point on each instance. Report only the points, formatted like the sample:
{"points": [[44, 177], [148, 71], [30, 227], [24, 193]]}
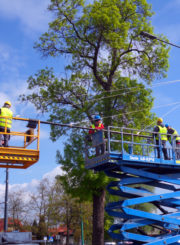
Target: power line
{"points": [[72, 125], [155, 107], [173, 109], [163, 116], [123, 88], [130, 112], [124, 93]]}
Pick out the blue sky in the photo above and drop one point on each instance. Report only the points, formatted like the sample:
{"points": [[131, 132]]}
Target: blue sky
{"points": [[166, 21], [21, 23]]}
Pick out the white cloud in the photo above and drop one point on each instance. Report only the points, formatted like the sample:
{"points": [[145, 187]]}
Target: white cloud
{"points": [[29, 188], [51, 175], [32, 14]]}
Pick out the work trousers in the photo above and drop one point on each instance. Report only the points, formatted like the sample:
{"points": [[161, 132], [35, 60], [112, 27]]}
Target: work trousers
{"points": [[4, 137], [164, 149], [177, 151], [100, 149]]}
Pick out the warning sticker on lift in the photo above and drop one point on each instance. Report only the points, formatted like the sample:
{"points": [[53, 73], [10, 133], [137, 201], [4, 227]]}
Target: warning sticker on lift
{"points": [[138, 158]]}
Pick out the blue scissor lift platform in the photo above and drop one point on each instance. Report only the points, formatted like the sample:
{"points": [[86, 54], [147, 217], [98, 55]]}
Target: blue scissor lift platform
{"points": [[139, 177]]}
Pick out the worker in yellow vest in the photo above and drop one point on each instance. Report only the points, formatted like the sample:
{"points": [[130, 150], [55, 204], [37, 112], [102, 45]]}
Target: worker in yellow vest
{"points": [[5, 122], [174, 139], [160, 134]]}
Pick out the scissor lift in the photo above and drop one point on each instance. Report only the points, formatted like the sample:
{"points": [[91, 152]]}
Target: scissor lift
{"points": [[24, 150], [139, 178]]}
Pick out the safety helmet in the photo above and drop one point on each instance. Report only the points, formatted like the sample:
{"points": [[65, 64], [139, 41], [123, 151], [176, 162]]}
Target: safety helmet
{"points": [[166, 125], [8, 103], [160, 120], [97, 118]]}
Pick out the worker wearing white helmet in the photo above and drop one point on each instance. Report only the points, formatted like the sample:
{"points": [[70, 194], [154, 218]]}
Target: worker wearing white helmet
{"points": [[5, 122], [161, 137]]}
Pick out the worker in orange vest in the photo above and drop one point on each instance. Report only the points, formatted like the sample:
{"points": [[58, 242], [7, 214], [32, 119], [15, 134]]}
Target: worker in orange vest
{"points": [[97, 126]]}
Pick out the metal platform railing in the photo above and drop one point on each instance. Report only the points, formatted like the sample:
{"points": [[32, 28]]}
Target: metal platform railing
{"points": [[27, 132], [135, 142], [23, 144], [147, 188]]}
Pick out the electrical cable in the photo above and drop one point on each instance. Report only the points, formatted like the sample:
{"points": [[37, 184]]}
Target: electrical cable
{"points": [[163, 116], [124, 93], [130, 112], [116, 90], [155, 107], [173, 109], [156, 85], [73, 125]]}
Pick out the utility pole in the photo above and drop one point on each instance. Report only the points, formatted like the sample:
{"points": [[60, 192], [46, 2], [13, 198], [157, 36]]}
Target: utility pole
{"points": [[6, 202], [82, 228], [82, 232]]}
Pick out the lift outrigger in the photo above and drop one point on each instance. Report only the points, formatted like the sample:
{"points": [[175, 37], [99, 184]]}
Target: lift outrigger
{"points": [[131, 159]]}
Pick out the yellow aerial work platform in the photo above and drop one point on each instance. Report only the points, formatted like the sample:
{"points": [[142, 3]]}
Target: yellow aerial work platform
{"points": [[23, 149]]}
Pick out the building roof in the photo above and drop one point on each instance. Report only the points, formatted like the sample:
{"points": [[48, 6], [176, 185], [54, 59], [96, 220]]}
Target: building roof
{"points": [[61, 230], [11, 223]]}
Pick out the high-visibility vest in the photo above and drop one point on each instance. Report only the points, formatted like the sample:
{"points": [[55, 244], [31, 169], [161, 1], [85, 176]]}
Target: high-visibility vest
{"points": [[163, 132], [4, 121], [94, 127], [176, 133]]}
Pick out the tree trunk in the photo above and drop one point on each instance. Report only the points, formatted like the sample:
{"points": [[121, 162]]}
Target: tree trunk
{"points": [[67, 237], [98, 218]]}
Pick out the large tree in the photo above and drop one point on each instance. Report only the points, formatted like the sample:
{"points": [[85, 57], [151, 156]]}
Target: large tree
{"points": [[106, 57]]}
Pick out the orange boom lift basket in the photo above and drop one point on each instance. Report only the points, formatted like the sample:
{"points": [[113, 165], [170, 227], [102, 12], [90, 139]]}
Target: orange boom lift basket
{"points": [[23, 149]]}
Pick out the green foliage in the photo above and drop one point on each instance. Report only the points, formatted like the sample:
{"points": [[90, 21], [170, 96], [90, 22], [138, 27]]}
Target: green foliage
{"points": [[107, 52], [77, 180], [57, 208], [34, 228], [42, 229], [108, 67], [104, 36]]}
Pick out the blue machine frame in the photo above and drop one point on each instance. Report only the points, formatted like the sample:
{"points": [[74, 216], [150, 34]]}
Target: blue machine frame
{"points": [[131, 159]]}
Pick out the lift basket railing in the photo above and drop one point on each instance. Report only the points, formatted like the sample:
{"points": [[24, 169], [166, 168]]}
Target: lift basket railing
{"points": [[133, 141], [26, 136]]}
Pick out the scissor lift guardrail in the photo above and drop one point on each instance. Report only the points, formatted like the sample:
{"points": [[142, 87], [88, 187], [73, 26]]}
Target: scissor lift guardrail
{"points": [[140, 178]]}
